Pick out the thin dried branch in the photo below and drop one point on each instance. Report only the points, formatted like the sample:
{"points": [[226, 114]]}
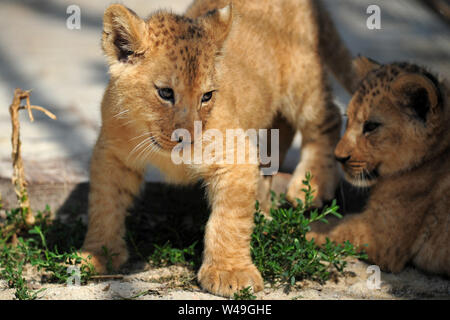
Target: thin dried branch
{"points": [[18, 177], [45, 111], [107, 277]]}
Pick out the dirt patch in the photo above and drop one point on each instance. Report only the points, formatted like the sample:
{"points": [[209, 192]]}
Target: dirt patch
{"points": [[179, 283], [165, 213]]}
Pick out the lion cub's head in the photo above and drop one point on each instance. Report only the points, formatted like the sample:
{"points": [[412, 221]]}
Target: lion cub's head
{"points": [[163, 70], [395, 120]]}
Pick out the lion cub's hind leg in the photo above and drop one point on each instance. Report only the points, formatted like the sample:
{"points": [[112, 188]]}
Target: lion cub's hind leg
{"points": [[268, 183], [309, 108], [320, 134]]}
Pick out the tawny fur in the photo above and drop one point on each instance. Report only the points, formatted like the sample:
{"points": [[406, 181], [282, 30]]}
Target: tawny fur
{"points": [[265, 62], [407, 160]]}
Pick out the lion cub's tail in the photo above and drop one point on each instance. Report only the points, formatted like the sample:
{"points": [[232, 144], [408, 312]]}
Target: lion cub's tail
{"points": [[334, 52]]}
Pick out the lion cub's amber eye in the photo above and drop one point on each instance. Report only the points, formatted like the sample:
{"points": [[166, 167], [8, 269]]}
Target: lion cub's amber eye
{"points": [[207, 96], [167, 94], [370, 126]]}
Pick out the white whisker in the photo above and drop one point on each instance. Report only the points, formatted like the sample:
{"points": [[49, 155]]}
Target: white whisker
{"points": [[140, 145], [148, 150], [341, 187], [129, 122], [118, 115], [140, 136]]}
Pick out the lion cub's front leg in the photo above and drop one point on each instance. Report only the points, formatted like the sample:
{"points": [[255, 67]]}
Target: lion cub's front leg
{"points": [[387, 244], [113, 185], [227, 265]]}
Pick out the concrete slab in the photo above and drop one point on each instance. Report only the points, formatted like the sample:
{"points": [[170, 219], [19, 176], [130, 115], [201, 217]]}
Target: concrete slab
{"points": [[68, 74]]}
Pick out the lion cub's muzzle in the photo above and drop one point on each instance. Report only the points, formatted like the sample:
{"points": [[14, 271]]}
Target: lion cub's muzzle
{"points": [[359, 173]]}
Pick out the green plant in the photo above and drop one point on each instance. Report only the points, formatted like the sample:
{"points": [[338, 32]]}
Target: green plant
{"points": [[167, 255], [108, 255], [20, 247], [279, 247], [11, 271], [245, 294]]}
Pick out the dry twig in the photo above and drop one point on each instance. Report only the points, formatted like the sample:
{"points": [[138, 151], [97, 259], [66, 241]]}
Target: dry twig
{"points": [[107, 277], [18, 177]]}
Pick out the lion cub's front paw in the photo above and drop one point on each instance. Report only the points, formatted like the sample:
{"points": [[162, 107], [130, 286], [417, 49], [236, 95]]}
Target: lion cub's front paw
{"points": [[227, 282], [101, 262]]}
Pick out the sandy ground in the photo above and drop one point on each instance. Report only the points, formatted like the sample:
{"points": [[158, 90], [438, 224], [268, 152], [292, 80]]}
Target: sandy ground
{"points": [[68, 73], [150, 218], [178, 283]]}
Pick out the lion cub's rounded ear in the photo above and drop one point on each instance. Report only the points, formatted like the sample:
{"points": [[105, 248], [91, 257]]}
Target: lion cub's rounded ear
{"points": [[124, 34], [218, 23], [417, 92], [364, 65]]}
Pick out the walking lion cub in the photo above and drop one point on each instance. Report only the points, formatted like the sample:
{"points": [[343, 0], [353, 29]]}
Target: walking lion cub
{"points": [[240, 66], [398, 141]]}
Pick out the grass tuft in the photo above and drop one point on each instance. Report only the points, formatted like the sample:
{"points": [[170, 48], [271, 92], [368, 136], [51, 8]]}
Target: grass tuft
{"points": [[278, 246], [167, 255], [244, 294], [280, 250], [48, 247]]}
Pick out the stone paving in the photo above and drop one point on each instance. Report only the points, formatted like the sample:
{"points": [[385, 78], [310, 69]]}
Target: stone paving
{"points": [[67, 72]]}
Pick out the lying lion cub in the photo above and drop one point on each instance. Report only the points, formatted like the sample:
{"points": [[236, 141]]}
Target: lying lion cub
{"points": [[398, 141]]}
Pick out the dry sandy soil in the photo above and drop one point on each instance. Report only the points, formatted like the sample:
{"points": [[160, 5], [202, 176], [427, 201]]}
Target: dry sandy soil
{"points": [[176, 283], [141, 281]]}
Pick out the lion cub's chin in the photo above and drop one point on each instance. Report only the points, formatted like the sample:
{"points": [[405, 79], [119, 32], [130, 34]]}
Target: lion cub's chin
{"points": [[361, 181]]}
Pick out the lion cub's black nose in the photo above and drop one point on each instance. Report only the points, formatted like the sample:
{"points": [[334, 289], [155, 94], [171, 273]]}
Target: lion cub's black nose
{"points": [[342, 160]]}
